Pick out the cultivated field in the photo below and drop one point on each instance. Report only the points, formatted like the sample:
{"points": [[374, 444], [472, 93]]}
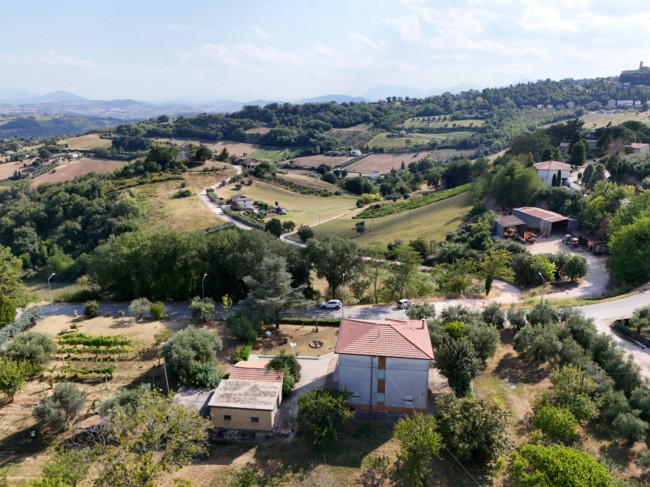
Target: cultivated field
{"points": [[430, 221], [237, 149], [274, 155], [78, 167], [388, 142], [594, 120], [362, 127], [86, 142], [258, 130], [7, 169], [440, 122], [311, 181], [301, 208], [385, 162], [315, 161], [182, 214]]}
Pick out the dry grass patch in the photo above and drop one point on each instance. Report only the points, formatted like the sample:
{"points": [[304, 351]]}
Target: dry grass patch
{"points": [[385, 162], [301, 335], [78, 167], [315, 161], [87, 142]]}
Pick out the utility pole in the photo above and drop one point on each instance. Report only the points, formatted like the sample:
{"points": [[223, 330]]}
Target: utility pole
{"points": [[343, 300], [50, 291], [541, 299], [202, 286], [166, 381]]}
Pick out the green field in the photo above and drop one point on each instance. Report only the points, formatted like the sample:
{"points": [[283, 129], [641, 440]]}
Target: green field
{"points": [[384, 140], [301, 208], [274, 155], [430, 222], [439, 123]]}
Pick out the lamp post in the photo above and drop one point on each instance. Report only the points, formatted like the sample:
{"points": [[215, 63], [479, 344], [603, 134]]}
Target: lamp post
{"points": [[541, 299], [50, 291], [343, 292], [293, 347], [202, 286]]}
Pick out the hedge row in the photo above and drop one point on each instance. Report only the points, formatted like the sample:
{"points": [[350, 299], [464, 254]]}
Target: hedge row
{"points": [[243, 218], [376, 211], [100, 341], [24, 322], [312, 321], [352, 161]]}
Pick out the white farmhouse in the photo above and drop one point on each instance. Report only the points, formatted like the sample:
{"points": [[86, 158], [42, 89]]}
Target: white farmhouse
{"points": [[547, 169], [385, 364]]}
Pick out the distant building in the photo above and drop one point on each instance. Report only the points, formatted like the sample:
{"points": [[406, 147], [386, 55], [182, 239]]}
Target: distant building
{"points": [[507, 226], [637, 147], [592, 143], [384, 364], [373, 174], [611, 103], [355, 152], [625, 103], [248, 162], [564, 148], [547, 169], [241, 201], [544, 221], [281, 210], [570, 104]]}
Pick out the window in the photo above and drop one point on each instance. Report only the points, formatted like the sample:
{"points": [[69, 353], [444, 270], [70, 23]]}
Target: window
{"points": [[227, 417], [255, 419], [355, 395], [408, 400], [381, 397], [381, 374]]}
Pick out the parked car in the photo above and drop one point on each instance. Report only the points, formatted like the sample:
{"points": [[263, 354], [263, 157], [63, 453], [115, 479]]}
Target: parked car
{"points": [[331, 304], [404, 303]]}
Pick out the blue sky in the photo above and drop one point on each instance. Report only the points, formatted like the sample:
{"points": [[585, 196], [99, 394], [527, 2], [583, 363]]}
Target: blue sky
{"points": [[164, 50]]}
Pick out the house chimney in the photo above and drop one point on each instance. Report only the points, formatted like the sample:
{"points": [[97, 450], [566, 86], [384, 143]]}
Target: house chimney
{"points": [[641, 66]]}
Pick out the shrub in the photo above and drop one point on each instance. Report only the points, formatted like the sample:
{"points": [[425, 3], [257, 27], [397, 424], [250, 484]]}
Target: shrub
{"points": [[61, 408], [494, 316], [474, 429], [305, 233], [157, 310], [556, 422], [205, 374], [241, 353], [28, 318], [640, 400], [291, 367], [542, 313], [322, 414], [80, 296], [421, 311], [419, 443], [458, 362], [140, 307], [242, 325], [91, 309], [630, 427], [7, 310], [12, 377], [517, 318], [126, 398], [202, 309], [455, 329], [575, 267], [183, 193], [31, 346]]}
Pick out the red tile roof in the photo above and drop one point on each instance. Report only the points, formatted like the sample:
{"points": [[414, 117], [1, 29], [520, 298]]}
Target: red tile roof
{"points": [[553, 166], [254, 371], [637, 145], [390, 338], [241, 197]]}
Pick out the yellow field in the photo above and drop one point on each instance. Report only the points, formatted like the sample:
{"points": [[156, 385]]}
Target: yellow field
{"points": [[312, 182], [86, 142], [412, 140], [430, 221], [596, 120], [301, 208]]}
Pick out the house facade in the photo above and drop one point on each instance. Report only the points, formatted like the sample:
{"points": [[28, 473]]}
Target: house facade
{"points": [[547, 169], [637, 148], [241, 201], [384, 364]]}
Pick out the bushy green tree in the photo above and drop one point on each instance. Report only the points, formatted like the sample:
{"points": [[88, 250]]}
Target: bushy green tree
{"points": [[291, 367], [420, 442], [305, 233], [11, 284], [67, 468], [13, 375], [150, 442], [202, 309], [556, 422], [140, 307], [322, 414], [61, 409], [575, 267], [337, 260], [494, 316], [557, 466], [404, 271], [157, 310], [576, 392], [31, 346], [421, 311], [630, 427], [458, 362], [91, 309], [7, 310], [187, 350], [496, 265], [242, 325], [641, 318], [515, 185], [274, 227], [126, 398], [473, 429]]}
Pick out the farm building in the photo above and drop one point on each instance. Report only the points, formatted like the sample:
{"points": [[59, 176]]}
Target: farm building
{"points": [[241, 201], [248, 162], [384, 364], [637, 148], [564, 148], [544, 221], [195, 398], [281, 210], [548, 169], [507, 226], [249, 399]]}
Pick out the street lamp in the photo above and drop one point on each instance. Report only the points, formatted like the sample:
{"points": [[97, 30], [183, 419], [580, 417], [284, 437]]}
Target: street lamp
{"points": [[293, 347], [202, 286], [50, 291], [543, 282]]}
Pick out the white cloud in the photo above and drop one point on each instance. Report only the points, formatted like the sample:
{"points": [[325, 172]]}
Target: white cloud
{"points": [[408, 27], [261, 33], [50, 57]]}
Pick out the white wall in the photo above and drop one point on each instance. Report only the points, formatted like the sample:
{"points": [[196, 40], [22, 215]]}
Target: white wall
{"points": [[547, 176]]}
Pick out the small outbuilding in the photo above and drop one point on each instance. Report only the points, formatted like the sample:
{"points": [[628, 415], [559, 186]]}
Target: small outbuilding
{"points": [[281, 210], [248, 162], [241, 201], [544, 221], [508, 226]]}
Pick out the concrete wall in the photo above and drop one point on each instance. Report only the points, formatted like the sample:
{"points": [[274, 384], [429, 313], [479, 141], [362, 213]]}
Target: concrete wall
{"points": [[529, 220], [406, 382], [241, 418]]}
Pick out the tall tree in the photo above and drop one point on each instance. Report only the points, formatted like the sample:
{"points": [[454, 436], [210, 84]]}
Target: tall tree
{"points": [[419, 443], [403, 272], [458, 361], [578, 153], [11, 270], [375, 264], [337, 260], [496, 265], [271, 294]]}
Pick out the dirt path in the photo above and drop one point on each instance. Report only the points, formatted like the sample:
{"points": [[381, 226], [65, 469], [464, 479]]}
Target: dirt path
{"points": [[216, 209]]}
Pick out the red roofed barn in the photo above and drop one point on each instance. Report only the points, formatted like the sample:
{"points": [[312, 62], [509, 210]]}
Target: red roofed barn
{"points": [[385, 364]]}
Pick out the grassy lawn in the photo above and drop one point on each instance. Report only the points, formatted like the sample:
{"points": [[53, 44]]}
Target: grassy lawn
{"points": [[39, 289], [301, 208], [310, 181], [301, 335], [594, 120], [413, 140], [430, 221], [183, 214], [86, 142], [274, 155], [437, 123]]}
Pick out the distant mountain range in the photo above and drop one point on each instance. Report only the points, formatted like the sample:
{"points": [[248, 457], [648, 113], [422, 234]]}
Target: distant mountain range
{"points": [[64, 103]]}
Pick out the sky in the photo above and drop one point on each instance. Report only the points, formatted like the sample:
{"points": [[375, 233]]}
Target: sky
{"points": [[277, 49]]}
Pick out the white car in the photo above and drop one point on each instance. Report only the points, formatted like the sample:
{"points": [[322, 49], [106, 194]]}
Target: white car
{"points": [[331, 304], [404, 303]]}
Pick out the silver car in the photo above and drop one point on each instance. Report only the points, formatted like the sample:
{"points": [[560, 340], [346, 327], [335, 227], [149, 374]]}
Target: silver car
{"points": [[404, 303], [331, 304]]}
